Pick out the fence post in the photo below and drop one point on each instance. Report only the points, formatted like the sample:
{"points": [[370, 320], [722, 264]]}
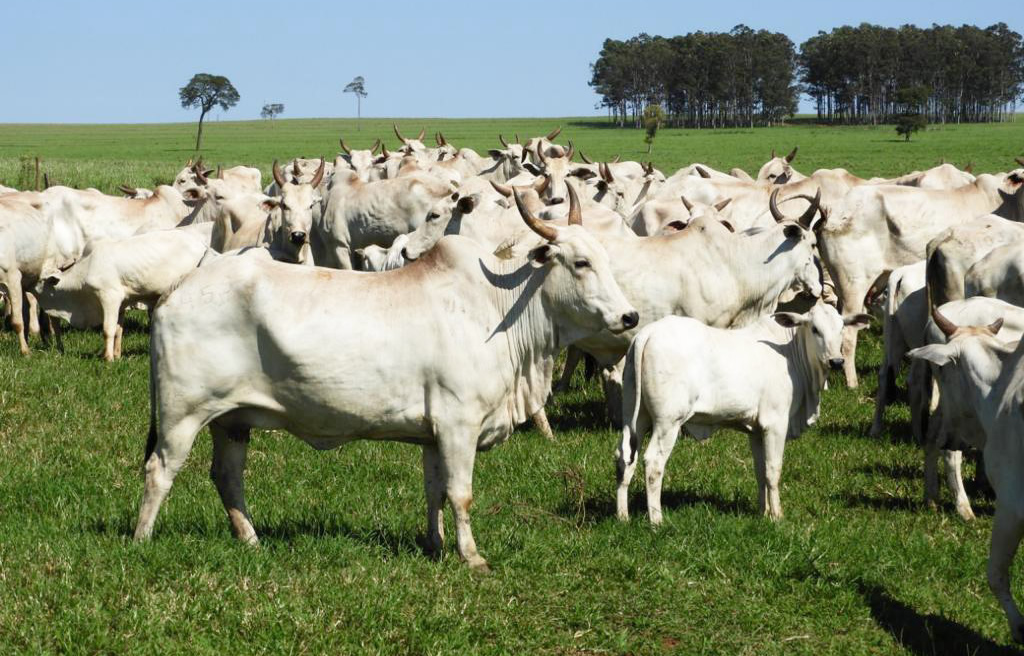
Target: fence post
{"points": [[37, 173]]}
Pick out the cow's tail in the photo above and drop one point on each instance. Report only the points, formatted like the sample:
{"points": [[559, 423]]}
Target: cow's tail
{"points": [[153, 393], [631, 396]]}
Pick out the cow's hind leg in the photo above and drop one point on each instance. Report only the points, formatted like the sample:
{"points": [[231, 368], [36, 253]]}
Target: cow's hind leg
{"points": [[111, 310], [434, 485], [573, 356], [852, 303], [626, 460], [774, 448], [173, 444], [15, 298], [955, 480], [757, 451], [663, 440], [458, 454], [230, 447]]}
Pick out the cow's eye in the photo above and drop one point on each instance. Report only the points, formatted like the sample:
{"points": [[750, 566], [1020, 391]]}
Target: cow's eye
{"points": [[582, 264], [814, 329]]}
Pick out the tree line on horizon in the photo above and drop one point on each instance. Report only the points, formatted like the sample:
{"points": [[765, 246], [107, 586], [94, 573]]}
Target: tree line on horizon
{"points": [[854, 75]]}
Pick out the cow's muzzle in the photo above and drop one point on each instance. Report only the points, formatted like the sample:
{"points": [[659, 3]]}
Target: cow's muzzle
{"points": [[836, 363], [631, 319], [298, 238]]}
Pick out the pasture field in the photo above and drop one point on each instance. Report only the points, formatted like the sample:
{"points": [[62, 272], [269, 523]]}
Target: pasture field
{"points": [[857, 565]]}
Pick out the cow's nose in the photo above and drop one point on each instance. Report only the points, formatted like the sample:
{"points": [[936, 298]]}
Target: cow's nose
{"points": [[298, 237], [631, 319], [405, 255], [557, 200], [836, 363]]}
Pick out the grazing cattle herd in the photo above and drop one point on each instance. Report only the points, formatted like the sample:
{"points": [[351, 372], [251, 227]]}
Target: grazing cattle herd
{"points": [[443, 284]]}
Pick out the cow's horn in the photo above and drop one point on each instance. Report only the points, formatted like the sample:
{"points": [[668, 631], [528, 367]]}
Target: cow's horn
{"points": [[808, 217], [188, 164], [586, 160], [792, 154], [376, 145], [125, 189], [397, 133], [296, 171], [348, 151], [384, 151], [721, 205], [575, 215], [200, 176], [319, 175], [945, 325], [220, 172], [969, 168], [702, 173], [569, 153], [540, 154], [504, 190], [419, 137], [516, 135], [535, 224], [554, 133], [772, 156], [774, 207], [504, 143], [278, 176], [615, 160], [444, 142], [687, 204], [541, 183]]}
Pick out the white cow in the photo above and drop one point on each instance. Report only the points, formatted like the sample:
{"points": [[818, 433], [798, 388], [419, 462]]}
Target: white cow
{"points": [[114, 273], [982, 383], [779, 170], [451, 353], [765, 379]]}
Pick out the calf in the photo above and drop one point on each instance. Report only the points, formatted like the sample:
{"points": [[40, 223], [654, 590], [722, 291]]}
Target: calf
{"points": [[114, 273], [765, 379]]}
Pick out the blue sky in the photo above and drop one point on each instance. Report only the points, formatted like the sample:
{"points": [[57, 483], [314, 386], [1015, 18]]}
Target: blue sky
{"points": [[125, 61]]}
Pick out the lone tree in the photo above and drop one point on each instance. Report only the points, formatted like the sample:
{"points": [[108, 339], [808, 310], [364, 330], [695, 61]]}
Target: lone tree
{"points": [[271, 110], [911, 120], [206, 91], [357, 87], [654, 116]]}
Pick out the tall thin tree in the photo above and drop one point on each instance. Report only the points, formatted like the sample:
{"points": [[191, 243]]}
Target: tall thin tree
{"points": [[206, 91], [358, 87]]}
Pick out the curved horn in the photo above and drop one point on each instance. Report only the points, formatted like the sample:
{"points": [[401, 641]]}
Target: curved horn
{"points": [[444, 142], [807, 217], [384, 151], [319, 175], [541, 183], [575, 215], [969, 168], [703, 173], [220, 172], [540, 154], [397, 133], [376, 145], [200, 176], [608, 177], [504, 144], [348, 151], [516, 135], [649, 168], [126, 190], [1019, 160], [721, 205], [687, 204], [296, 171], [586, 160], [615, 160], [774, 207], [535, 224], [554, 133], [419, 137], [772, 156], [278, 176], [504, 190], [945, 325], [792, 154], [437, 139], [569, 153]]}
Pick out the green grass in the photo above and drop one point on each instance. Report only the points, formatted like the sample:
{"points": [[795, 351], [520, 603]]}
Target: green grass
{"points": [[105, 156], [857, 565]]}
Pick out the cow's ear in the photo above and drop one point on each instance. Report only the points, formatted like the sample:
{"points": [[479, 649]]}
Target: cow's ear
{"points": [[52, 280], [542, 254], [532, 168], [269, 203], [857, 321], [495, 153], [192, 194], [676, 225], [793, 231], [789, 319], [937, 354]]}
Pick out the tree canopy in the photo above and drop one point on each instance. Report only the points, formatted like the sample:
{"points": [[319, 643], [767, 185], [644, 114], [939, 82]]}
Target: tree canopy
{"points": [[749, 77], [207, 91]]}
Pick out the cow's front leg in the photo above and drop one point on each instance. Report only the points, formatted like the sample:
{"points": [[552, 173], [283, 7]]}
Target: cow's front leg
{"points": [[458, 454], [1006, 534], [434, 486], [229, 452]]}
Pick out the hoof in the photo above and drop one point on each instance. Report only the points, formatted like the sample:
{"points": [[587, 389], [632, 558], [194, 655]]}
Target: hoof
{"points": [[480, 566]]}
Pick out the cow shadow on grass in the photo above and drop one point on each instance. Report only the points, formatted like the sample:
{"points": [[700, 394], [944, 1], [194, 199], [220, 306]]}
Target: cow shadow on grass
{"points": [[602, 508], [586, 414], [900, 470], [925, 634]]}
